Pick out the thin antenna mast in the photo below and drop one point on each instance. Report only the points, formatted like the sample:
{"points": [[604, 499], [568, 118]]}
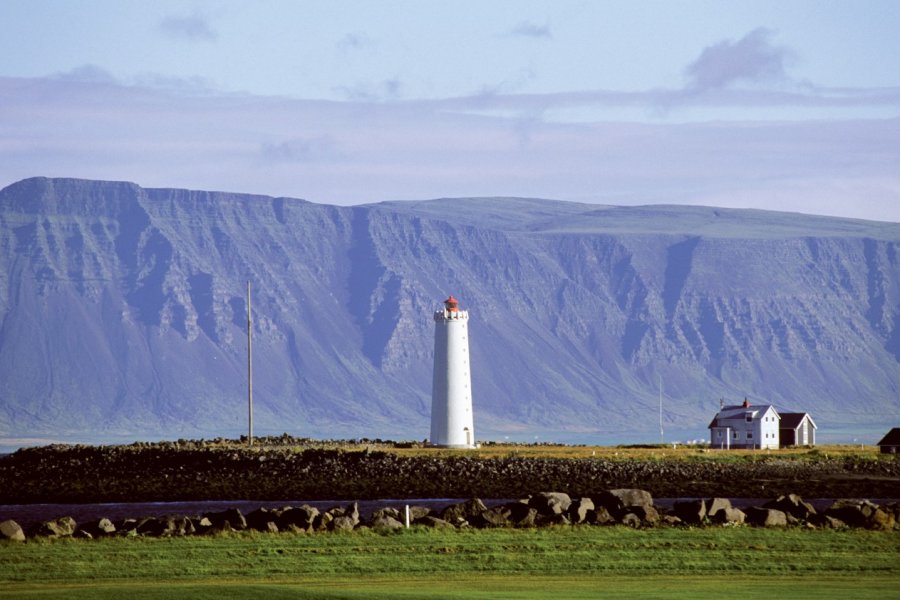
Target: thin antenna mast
{"points": [[661, 439], [249, 369]]}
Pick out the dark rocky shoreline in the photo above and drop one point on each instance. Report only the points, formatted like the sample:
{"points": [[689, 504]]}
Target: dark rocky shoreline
{"points": [[588, 491], [179, 471]]}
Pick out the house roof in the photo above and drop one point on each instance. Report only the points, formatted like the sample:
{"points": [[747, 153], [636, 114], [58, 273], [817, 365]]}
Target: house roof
{"points": [[891, 439], [739, 411], [793, 420]]}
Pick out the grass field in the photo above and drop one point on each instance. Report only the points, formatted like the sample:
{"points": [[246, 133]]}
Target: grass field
{"points": [[564, 562]]}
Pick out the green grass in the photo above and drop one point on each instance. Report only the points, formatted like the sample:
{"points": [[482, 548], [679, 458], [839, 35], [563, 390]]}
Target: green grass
{"points": [[419, 563]]}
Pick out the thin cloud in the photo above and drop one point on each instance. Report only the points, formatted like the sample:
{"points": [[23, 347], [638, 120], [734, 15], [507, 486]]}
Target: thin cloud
{"points": [[751, 59], [354, 41], [531, 30], [87, 74], [382, 91], [195, 27], [299, 150]]}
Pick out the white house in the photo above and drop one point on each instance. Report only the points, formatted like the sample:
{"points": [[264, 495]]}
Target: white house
{"points": [[745, 426]]}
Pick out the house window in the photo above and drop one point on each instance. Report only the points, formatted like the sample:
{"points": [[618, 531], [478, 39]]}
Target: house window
{"points": [[737, 435], [749, 418], [749, 435]]}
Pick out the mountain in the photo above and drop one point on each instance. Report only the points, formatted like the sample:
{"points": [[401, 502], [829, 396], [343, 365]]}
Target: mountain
{"points": [[123, 314]]}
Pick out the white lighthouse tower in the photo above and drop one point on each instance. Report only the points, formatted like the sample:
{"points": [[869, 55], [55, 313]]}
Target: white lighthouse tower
{"points": [[451, 389]]}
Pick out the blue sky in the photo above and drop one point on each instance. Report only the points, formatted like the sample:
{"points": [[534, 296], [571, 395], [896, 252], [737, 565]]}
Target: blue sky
{"points": [[788, 105]]}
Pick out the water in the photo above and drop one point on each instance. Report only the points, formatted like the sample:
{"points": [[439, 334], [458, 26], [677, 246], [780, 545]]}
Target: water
{"points": [[28, 515]]}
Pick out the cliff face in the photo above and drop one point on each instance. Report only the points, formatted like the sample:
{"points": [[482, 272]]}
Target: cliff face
{"points": [[122, 312]]}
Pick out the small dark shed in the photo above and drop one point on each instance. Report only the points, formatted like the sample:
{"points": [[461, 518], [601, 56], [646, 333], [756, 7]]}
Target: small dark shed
{"points": [[890, 444], [796, 429]]}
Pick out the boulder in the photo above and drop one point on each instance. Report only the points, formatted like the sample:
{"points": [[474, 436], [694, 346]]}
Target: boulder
{"points": [[300, 518], [620, 501], [498, 516], [166, 526], [692, 512], [386, 522], [855, 513], [469, 511], [714, 505], [418, 512], [262, 519], [99, 528], [630, 519], [550, 503], [323, 520], [599, 516], [233, 516], [344, 523], [10, 530], [431, 521], [578, 510], [765, 517], [647, 514], [793, 505], [729, 515], [61, 527], [386, 512], [520, 514]]}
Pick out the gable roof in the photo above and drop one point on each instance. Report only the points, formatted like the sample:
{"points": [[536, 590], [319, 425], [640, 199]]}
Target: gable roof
{"points": [[891, 439], [739, 411], [793, 420]]}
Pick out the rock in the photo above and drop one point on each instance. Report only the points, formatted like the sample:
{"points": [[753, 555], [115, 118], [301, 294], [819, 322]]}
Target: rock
{"points": [[233, 516], [322, 522], [578, 509], [10, 530], [99, 528], [550, 503], [127, 526], [83, 534], [386, 522], [729, 515], [418, 512], [618, 502], [431, 521], [765, 517], [671, 520], [262, 519], [714, 505], [855, 513], [599, 516], [299, 518], [202, 524], [166, 526], [469, 511], [647, 514], [882, 519], [498, 516], [630, 519], [690, 511], [61, 527], [343, 523], [793, 505], [521, 515], [386, 512]]}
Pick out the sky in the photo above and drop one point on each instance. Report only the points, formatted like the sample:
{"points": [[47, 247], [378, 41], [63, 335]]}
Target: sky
{"points": [[789, 105]]}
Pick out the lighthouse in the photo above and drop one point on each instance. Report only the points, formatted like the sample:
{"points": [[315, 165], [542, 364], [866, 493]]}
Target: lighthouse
{"points": [[451, 388]]}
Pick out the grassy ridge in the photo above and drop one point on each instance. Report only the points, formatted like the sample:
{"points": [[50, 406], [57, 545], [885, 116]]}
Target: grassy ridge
{"points": [[461, 563]]}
